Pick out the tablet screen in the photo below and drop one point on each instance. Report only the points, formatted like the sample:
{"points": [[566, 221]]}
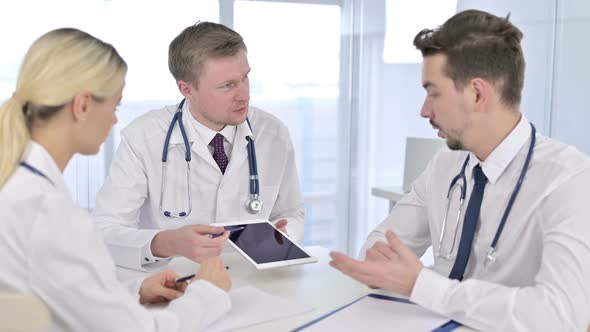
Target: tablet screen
{"points": [[263, 243]]}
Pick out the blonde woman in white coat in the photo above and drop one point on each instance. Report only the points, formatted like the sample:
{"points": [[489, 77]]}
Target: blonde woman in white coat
{"points": [[67, 91]]}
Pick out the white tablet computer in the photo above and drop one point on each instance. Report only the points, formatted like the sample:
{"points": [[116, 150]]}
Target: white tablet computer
{"points": [[265, 246]]}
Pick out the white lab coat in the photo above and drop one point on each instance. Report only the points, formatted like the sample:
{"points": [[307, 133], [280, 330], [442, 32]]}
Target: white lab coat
{"points": [[50, 248], [127, 206]]}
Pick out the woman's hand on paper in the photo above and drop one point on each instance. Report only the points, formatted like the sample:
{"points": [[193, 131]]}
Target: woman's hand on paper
{"points": [[213, 270], [160, 288]]}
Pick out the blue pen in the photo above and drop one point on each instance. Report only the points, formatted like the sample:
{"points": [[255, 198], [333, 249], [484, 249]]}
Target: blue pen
{"points": [[230, 230], [185, 278], [212, 236]]}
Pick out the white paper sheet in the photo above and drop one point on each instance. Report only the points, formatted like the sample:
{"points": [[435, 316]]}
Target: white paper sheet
{"points": [[372, 314], [252, 306]]}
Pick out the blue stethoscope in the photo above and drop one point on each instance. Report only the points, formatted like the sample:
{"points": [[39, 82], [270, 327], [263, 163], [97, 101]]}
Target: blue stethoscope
{"points": [[253, 204], [491, 256], [35, 171]]}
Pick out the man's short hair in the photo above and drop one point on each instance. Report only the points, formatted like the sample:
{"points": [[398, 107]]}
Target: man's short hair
{"points": [[197, 43], [479, 44]]}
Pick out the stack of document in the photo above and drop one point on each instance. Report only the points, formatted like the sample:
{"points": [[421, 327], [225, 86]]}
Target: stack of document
{"points": [[378, 313], [252, 306]]}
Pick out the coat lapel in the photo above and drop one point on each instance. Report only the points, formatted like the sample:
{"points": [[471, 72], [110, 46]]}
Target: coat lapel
{"points": [[198, 146]]}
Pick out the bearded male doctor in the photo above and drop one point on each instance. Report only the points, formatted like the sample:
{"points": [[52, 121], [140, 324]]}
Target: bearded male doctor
{"points": [[515, 256]]}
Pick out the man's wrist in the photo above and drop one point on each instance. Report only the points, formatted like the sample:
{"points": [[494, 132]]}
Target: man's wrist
{"points": [[159, 245], [413, 283]]}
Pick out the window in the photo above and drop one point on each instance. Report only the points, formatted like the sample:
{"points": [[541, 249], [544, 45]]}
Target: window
{"points": [[343, 75], [294, 53], [142, 40], [403, 19]]}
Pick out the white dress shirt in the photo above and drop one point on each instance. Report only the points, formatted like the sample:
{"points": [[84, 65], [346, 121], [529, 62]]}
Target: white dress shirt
{"points": [[540, 280], [51, 249], [128, 205], [206, 134]]}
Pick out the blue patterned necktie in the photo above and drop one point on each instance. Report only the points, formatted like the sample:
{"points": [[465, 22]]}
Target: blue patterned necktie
{"points": [[469, 224], [219, 152]]}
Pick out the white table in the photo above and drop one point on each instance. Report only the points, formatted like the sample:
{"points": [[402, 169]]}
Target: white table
{"points": [[392, 193], [317, 285]]}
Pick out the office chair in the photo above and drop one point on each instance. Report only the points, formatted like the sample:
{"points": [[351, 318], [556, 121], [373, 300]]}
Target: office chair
{"points": [[22, 313], [419, 151]]}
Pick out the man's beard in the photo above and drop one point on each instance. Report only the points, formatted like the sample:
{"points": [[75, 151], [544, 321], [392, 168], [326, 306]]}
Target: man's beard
{"points": [[452, 143]]}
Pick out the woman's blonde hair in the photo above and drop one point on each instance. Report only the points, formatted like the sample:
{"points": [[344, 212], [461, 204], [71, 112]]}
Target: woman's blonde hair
{"points": [[58, 66]]}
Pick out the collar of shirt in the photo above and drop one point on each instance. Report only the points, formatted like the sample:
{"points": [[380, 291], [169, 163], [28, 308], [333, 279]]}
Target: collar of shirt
{"points": [[38, 157], [228, 132], [504, 153]]}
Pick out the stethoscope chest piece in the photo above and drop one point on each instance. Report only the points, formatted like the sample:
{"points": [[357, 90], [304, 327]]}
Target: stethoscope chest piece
{"points": [[254, 205]]}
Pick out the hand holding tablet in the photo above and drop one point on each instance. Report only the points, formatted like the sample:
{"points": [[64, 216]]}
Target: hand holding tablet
{"points": [[265, 246]]}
